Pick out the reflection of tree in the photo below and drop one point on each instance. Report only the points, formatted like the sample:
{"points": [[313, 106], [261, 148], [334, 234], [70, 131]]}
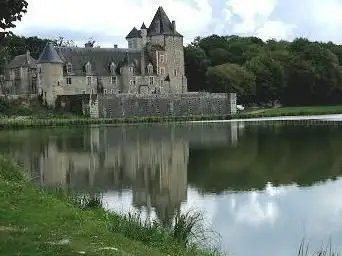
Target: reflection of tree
{"points": [[282, 155]]}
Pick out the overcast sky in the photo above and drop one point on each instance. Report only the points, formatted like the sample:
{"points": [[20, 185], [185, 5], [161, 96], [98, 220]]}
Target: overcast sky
{"points": [[109, 21]]}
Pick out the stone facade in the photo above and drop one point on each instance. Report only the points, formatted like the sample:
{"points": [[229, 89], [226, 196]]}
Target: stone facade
{"points": [[153, 63], [147, 78], [21, 76], [187, 104]]}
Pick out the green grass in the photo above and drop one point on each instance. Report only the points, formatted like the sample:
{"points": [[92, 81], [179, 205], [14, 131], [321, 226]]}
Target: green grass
{"points": [[32, 221], [291, 111], [25, 122]]}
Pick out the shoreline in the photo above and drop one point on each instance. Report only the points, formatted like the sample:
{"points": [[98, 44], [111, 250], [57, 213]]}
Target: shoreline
{"points": [[326, 113], [38, 222]]}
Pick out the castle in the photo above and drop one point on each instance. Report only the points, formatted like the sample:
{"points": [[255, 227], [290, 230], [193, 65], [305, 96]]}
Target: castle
{"points": [[145, 79], [153, 63]]}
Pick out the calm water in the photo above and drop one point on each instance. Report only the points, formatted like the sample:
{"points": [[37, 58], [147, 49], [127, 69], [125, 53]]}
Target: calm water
{"points": [[263, 188]]}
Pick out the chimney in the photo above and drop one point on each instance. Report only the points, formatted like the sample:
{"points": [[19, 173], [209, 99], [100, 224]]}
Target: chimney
{"points": [[115, 46], [174, 26]]}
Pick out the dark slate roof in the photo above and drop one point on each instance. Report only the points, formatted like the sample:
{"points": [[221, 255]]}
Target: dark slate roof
{"points": [[49, 55], [24, 60], [143, 26], [99, 58], [162, 20], [134, 33]]}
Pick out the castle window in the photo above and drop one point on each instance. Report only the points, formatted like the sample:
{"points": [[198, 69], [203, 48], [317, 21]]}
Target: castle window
{"points": [[88, 80], [162, 71], [151, 80], [114, 80], [68, 80], [131, 69], [105, 91], [112, 91], [112, 68], [132, 82], [69, 68], [88, 68], [150, 68], [92, 91], [17, 73], [162, 58], [175, 72]]}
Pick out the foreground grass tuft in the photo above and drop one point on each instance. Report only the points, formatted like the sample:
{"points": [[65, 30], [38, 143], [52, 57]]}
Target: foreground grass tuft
{"points": [[34, 222], [304, 250]]}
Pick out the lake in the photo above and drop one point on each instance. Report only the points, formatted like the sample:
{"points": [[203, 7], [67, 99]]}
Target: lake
{"points": [[262, 187]]}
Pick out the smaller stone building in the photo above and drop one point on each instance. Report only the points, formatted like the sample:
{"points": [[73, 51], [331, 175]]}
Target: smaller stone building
{"points": [[21, 75]]}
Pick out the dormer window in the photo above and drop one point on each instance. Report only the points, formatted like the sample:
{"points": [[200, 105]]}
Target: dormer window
{"points": [[130, 69], [88, 67], [162, 71], [114, 80], [149, 68], [162, 58], [69, 68], [112, 68]]}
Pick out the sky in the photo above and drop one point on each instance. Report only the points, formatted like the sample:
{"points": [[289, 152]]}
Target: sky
{"points": [[109, 21]]}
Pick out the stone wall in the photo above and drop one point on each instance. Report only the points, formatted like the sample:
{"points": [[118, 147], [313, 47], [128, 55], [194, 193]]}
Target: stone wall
{"points": [[192, 104]]}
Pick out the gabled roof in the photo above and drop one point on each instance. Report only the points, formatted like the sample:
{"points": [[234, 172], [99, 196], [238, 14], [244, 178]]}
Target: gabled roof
{"points": [[24, 60], [99, 58], [161, 24], [49, 55], [134, 33]]}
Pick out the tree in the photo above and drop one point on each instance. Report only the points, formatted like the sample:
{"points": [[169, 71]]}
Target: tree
{"points": [[10, 12], [231, 78], [270, 78], [196, 66], [62, 42], [219, 56]]}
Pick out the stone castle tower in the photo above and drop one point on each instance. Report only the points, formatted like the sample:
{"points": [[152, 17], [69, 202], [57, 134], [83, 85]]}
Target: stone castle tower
{"points": [[153, 63], [162, 40]]}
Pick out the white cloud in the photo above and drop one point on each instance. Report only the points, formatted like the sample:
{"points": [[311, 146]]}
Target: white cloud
{"points": [[254, 17], [275, 30], [113, 18], [250, 12]]}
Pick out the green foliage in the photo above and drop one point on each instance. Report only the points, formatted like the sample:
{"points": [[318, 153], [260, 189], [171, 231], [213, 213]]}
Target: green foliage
{"points": [[295, 73], [231, 78], [10, 12]]}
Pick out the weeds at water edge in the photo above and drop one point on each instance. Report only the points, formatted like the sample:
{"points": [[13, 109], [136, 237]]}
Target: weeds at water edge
{"points": [[304, 250]]}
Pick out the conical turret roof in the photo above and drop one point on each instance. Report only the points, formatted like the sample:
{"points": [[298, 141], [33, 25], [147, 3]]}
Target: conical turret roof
{"points": [[134, 33], [161, 24], [49, 55]]}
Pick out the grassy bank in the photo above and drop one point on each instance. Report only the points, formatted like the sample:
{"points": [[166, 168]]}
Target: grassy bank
{"points": [[23, 122], [34, 222], [290, 111]]}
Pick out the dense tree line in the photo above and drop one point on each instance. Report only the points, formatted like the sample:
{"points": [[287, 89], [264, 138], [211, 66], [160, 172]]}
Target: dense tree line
{"points": [[295, 73]]}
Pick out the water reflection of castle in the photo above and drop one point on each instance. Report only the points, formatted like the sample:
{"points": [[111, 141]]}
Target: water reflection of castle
{"points": [[151, 160]]}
